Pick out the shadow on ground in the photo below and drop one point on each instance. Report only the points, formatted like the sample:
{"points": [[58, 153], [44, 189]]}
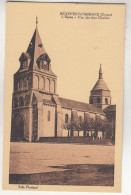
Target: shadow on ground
{"points": [[73, 174]]}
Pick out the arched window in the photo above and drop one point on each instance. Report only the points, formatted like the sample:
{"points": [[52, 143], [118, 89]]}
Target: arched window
{"points": [[53, 86], [98, 100], [91, 101], [106, 101], [66, 118], [21, 101], [48, 115], [48, 85], [25, 83], [27, 100], [80, 119], [36, 82], [41, 83], [16, 102]]}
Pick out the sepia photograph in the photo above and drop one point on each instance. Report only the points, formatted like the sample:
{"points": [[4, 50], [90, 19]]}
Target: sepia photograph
{"points": [[64, 93]]}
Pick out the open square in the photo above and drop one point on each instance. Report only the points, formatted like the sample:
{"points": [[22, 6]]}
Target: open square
{"points": [[61, 164]]}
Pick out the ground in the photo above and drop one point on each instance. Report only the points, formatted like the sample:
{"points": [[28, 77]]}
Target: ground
{"points": [[61, 164]]}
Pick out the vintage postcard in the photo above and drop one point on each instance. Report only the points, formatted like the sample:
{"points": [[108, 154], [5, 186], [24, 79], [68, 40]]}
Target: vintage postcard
{"points": [[63, 103]]}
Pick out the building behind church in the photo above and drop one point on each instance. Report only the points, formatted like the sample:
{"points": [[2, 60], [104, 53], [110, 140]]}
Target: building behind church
{"points": [[38, 111]]}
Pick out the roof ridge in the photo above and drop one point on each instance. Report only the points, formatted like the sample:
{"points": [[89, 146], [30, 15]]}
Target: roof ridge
{"points": [[80, 105]]}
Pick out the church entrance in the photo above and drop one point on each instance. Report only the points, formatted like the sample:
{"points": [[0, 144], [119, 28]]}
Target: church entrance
{"points": [[17, 128]]}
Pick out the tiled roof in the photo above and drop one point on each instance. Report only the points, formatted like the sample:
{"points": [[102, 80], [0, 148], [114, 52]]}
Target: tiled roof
{"points": [[100, 84], [35, 50], [39, 97], [79, 105], [111, 108]]}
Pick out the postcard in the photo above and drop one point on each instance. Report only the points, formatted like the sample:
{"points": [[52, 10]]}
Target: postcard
{"points": [[63, 106]]}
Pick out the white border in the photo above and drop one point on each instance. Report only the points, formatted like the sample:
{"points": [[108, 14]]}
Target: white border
{"points": [[126, 158]]}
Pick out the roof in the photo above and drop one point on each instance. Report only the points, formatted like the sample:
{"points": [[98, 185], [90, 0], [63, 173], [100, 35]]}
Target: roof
{"points": [[79, 105], [100, 84], [50, 102], [35, 48], [111, 108]]}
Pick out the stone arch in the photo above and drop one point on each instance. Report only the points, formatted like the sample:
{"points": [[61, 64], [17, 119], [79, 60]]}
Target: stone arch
{"points": [[42, 83], [17, 127], [36, 82], [48, 84]]}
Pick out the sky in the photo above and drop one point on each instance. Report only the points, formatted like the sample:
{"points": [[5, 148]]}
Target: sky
{"points": [[76, 47]]}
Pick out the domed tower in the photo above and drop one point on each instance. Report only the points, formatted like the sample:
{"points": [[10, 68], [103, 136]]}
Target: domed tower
{"points": [[100, 95]]}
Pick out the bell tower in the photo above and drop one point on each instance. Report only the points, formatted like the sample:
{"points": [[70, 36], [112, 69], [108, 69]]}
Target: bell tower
{"points": [[100, 95], [34, 82]]}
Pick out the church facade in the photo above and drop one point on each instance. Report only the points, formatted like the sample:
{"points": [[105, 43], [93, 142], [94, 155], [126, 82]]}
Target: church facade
{"points": [[38, 111]]}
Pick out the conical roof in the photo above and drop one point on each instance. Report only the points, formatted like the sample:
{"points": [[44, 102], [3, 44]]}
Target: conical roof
{"points": [[100, 84], [35, 48]]}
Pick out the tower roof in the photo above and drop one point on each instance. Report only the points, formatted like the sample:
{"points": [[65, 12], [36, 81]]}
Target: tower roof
{"points": [[37, 58], [100, 84], [35, 48]]}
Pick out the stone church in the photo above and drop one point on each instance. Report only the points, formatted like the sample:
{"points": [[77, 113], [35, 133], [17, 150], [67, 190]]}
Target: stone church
{"points": [[38, 111]]}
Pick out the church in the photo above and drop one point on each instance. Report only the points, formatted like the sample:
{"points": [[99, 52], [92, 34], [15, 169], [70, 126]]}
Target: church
{"points": [[39, 112]]}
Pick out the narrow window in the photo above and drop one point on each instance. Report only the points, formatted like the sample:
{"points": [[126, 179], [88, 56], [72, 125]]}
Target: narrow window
{"points": [[16, 102], [66, 118], [48, 85], [25, 83], [80, 119], [27, 100], [106, 101], [21, 84], [43, 83], [48, 115], [53, 86], [91, 101], [36, 83], [18, 85], [21, 101], [98, 100]]}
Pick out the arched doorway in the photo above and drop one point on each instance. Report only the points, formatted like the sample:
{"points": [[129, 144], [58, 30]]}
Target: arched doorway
{"points": [[17, 128]]}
